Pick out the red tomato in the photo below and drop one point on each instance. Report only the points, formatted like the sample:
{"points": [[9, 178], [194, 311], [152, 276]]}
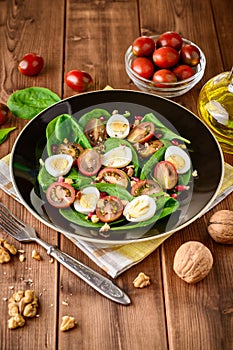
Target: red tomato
{"points": [[71, 148], [164, 76], [78, 80], [113, 176], [5, 113], [183, 72], [166, 174], [143, 67], [60, 194], [166, 57], [171, 39], [145, 187], [89, 162], [142, 133], [190, 55], [95, 131], [149, 148], [31, 64], [109, 208], [143, 46]]}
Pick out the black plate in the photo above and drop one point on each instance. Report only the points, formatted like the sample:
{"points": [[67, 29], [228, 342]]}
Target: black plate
{"points": [[206, 157]]}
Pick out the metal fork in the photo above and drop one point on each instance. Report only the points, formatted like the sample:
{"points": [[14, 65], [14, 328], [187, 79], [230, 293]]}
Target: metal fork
{"points": [[25, 233]]}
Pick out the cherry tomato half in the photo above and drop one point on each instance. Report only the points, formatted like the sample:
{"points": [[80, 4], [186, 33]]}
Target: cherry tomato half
{"points": [[143, 67], [166, 174], [171, 39], [166, 57], [113, 176], [190, 55], [183, 72], [60, 194], [78, 80], [89, 162], [148, 148], [142, 133], [95, 131], [145, 187], [31, 64], [5, 113], [164, 76], [72, 148], [109, 208], [143, 46]]}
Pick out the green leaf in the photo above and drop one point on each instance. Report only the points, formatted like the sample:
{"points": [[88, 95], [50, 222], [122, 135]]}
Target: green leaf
{"points": [[114, 190], [45, 179], [27, 103], [4, 133], [95, 113]]}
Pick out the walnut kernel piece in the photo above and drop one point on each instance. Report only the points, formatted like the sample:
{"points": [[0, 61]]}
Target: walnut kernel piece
{"points": [[220, 226], [4, 255], [192, 262], [68, 322], [141, 281], [36, 255], [16, 321]]}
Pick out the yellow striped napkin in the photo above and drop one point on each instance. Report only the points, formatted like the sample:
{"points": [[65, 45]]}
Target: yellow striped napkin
{"points": [[115, 259]]}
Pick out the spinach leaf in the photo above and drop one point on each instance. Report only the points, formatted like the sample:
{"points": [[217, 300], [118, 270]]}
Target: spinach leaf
{"points": [[114, 190], [160, 127], [152, 161], [45, 179], [65, 126], [185, 178], [27, 103], [112, 143], [78, 218], [95, 113], [79, 180], [4, 133]]}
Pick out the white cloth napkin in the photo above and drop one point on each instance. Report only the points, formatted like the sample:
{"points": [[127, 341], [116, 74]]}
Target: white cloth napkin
{"points": [[115, 259]]}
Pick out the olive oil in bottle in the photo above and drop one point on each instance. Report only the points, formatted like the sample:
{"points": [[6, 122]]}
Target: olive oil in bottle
{"points": [[215, 107]]}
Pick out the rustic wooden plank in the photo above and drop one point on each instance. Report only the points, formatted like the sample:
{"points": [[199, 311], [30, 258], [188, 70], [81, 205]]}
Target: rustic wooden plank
{"points": [[97, 36], [25, 28]]}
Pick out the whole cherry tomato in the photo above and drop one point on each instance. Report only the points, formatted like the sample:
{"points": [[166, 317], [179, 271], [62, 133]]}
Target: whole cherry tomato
{"points": [[78, 80], [31, 64], [190, 55], [171, 39], [5, 113], [143, 46], [166, 57], [143, 67], [164, 76], [183, 72]]}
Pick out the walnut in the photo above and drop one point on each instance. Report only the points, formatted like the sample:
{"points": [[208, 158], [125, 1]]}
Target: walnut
{"points": [[4, 255], [36, 255], [141, 281], [68, 322], [16, 321], [220, 226], [10, 247], [192, 261], [5, 250]]}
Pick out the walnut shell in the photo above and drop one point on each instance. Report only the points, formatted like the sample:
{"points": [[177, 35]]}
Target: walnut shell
{"points": [[220, 226], [193, 261]]}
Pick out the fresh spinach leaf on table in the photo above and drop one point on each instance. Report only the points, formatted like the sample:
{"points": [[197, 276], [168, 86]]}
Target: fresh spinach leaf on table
{"points": [[4, 133]]}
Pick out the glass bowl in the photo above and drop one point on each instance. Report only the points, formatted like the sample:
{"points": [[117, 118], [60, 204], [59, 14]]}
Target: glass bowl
{"points": [[169, 89]]}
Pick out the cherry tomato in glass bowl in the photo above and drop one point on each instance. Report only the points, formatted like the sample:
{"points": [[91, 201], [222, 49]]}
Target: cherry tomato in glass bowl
{"points": [[164, 76], [166, 57], [190, 55], [109, 208], [171, 39], [5, 113], [60, 194], [183, 72], [141, 133], [145, 187], [89, 162], [95, 131], [78, 80], [143, 67], [143, 46], [166, 174], [31, 64], [113, 176]]}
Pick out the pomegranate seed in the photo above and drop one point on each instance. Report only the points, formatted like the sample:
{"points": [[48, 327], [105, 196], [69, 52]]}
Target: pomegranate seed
{"points": [[175, 142], [90, 215], [180, 188], [158, 135], [102, 118], [103, 194], [138, 117], [136, 179], [174, 195]]}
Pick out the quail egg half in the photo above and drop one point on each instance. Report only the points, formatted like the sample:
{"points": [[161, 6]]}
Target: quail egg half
{"points": [[118, 157], [179, 158], [58, 164], [140, 208], [118, 126], [88, 200]]}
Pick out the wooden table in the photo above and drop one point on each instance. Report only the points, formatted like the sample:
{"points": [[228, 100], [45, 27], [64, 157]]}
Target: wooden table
{"points": [[169, 314]]}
